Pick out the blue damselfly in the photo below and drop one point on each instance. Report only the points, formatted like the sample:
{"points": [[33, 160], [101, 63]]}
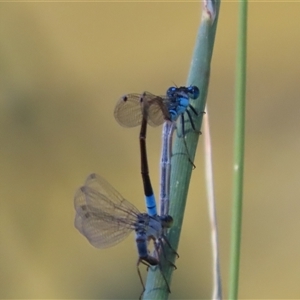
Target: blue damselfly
{"points": [[130, 111], [105, 218]]}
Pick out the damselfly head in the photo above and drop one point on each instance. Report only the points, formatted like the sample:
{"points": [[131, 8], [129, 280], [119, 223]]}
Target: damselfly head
{"points": [[189, 92], [166, 221]]}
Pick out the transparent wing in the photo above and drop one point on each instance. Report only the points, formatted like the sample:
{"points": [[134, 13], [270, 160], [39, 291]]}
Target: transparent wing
{"points": [[129, 111], [157, 110], [103, 216]]}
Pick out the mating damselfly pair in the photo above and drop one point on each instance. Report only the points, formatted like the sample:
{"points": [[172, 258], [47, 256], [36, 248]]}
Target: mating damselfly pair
{"points": [[103, 216]]}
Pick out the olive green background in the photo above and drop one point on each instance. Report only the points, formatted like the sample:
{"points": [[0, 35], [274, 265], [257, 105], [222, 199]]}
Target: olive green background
{"points": [[63, 68]]}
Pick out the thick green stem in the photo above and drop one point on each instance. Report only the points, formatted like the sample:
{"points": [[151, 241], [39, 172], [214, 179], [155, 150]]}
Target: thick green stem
{"points": [[181, 166]]}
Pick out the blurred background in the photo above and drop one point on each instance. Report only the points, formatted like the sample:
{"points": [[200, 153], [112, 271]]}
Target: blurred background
{"points": [[63, 68]]}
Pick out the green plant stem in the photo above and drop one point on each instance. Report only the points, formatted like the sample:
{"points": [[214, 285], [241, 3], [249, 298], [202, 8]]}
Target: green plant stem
{"points": [[239, 141], [181, 167]]}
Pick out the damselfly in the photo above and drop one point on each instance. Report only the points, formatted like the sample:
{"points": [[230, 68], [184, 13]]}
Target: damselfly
{"points": [[105, 218], [130, 111]]}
